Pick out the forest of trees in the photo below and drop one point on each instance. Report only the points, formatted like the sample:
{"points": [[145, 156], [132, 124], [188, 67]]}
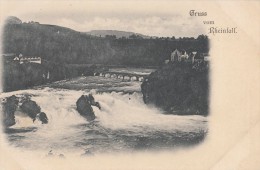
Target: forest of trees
{"points": [[63, 45]]}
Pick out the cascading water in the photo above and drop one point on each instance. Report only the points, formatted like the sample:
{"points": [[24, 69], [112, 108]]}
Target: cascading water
{"points": [[124, 122]]}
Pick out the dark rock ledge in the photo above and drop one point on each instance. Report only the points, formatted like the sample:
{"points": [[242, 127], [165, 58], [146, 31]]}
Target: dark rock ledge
{"points": [[179, 88]]}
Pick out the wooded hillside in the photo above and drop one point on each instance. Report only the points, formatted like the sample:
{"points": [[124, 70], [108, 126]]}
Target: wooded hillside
{"points": [[64, 45]]}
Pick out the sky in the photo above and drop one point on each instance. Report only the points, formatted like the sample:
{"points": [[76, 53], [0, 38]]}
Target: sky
{"points": [[153, 18]]}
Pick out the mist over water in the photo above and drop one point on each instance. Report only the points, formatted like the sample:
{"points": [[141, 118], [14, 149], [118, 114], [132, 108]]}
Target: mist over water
{"points": [[124, 122]]}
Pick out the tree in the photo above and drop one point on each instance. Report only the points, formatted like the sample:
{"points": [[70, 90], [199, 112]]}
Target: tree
{"points": [[202, 37], [135, 36], [111, 37]]}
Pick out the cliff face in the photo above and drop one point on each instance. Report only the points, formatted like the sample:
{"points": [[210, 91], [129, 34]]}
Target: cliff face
{"points": [[178, 88]]}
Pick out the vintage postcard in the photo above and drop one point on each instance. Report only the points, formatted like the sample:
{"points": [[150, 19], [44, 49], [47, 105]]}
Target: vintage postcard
{"points": [[130, 85]]}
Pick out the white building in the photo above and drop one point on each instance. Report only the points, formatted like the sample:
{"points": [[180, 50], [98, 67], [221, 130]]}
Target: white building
{"points": [[184, 56], [175, 55], [206, 57], [16, 58], [37, 60], [23, 59], [192, 56]]}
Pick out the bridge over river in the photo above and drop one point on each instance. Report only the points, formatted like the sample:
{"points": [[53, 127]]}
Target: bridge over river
{"points": [[122, 75]]}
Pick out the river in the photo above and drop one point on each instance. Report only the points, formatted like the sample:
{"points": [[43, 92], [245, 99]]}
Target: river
{"points": [[124, 123]]}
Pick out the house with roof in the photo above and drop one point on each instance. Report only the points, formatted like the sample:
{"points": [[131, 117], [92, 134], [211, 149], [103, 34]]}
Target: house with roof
{"points": [[16, 58], [179, 55], [184, 56], [175, 55], [195, 57], [11, 57], [30, 60], [24, 59]]}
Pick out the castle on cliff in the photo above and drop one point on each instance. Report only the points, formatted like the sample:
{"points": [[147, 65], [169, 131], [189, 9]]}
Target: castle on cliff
{"points": [[184, 56]]}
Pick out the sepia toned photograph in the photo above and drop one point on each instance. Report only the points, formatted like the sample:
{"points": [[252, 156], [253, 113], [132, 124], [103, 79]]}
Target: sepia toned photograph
{"points": [[102, 90], [90, 80]]}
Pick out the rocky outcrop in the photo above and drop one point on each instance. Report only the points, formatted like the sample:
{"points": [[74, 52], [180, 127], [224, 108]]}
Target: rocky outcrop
{"points": [[33, 110], [92, 101], [9, 107], [178, 88], [43, 118], [84, 106], [11, 104]]}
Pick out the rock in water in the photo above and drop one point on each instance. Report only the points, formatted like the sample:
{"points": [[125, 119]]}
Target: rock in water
{"points": [[84, 108], [9, 107], [43, 118], [92, 101], [31, 108], [97, 105]]}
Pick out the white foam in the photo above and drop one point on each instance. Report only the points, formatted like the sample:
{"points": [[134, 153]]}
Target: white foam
{"points": [[119, 111], [128, 111]]}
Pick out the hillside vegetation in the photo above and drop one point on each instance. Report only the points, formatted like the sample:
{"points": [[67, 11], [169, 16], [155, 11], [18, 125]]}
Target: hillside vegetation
{"points": [[179, 88], [67, 53], [64, 45]]}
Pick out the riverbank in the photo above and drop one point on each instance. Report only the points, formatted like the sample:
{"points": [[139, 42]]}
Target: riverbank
{"points": [[28, 75], [23, 76]]}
